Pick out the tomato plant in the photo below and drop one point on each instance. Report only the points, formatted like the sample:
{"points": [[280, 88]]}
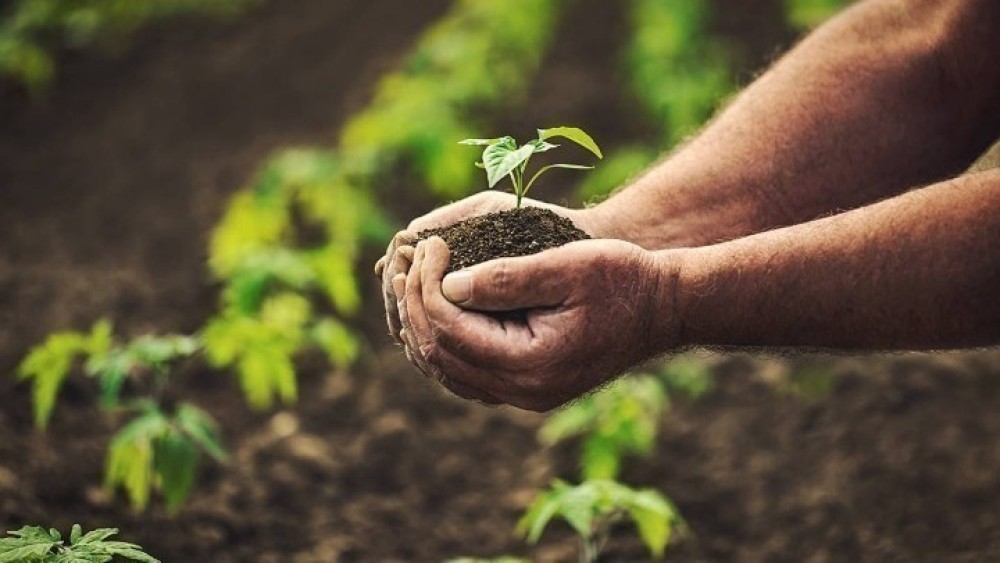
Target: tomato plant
{"points": [[34, 544]]}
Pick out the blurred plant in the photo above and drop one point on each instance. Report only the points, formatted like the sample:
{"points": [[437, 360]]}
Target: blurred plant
{"points": [[480, 53], [161, 446], [502, 156], [807, 14], [34, 544], [679, 72], [593, 507], [620, 419], [30, 30], [624, 417]]}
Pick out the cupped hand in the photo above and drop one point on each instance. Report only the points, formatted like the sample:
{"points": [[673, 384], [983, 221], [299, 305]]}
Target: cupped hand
{"points": [[393, 267], [540, 330]]}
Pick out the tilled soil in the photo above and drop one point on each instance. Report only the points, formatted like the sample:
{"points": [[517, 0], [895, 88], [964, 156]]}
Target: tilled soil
{"points": [[110, 186]]}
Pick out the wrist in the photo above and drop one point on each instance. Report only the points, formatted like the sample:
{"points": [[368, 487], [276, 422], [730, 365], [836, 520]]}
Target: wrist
{"points": [[667, 326]]}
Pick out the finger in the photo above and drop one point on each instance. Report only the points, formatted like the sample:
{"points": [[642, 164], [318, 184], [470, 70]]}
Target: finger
{"points": [[379, 267], [395, 310], [399, 264], [507, 284], [417, 323], [474, 337]]}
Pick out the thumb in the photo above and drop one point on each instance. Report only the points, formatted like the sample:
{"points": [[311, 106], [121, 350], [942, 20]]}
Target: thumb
{"points": [[507, 284]]}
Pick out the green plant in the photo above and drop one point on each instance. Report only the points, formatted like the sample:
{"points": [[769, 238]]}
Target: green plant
{"points": [[31, 29], [502, 156], [620, 419], [34, 544], [162, 444], [480, 54], [593, 507]]}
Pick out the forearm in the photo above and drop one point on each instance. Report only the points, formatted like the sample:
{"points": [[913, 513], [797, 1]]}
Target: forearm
{"points": [[886, 96], [918, 271]]}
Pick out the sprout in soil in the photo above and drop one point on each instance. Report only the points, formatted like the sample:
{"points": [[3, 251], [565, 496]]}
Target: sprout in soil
{"points": [[503, 157]]}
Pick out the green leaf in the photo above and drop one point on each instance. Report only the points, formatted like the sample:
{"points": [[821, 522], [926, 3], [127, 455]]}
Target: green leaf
{"points": [[130, 457], [175, 461], [337, 340], [502, 157], [98, 535], [48, 364], [27, 545], [75, 534], [542, 146], [654, 517], [601, 458], [537, 517], [575, 134], [201, 428]]}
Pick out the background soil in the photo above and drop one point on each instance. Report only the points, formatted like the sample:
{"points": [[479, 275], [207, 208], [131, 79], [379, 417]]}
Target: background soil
{"points": [[108, 189]]}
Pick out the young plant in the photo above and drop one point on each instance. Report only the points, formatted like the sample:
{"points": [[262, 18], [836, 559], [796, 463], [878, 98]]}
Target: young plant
{"points": [[502, 156], [34, 544], [622, 418], [161, 446], [593, 507]]}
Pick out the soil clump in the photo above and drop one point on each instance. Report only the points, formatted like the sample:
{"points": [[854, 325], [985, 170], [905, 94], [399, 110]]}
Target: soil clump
{"points": [[501, 234]]}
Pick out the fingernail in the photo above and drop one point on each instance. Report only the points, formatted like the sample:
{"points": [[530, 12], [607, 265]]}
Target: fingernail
{"points": [[399, 285], [457, 286]]}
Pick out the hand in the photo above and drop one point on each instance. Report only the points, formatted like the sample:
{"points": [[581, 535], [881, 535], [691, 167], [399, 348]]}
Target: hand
{"points": [[540, 330], [393, 267]]}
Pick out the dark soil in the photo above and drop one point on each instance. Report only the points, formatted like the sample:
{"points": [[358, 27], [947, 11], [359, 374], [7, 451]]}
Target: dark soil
{"points": [[514, 232], [108, 190]]}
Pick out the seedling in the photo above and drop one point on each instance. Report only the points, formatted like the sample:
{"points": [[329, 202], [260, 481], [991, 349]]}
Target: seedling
{"points": [[593, 507], [620, 419], [161, 446], [502, 156], [34, 544]]}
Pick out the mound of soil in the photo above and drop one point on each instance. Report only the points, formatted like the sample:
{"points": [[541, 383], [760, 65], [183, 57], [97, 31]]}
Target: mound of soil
{"points": [[514, 232]]}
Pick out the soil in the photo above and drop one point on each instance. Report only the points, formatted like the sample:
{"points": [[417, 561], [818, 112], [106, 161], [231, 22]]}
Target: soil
{"points": [[514, 232], [110, 186]]}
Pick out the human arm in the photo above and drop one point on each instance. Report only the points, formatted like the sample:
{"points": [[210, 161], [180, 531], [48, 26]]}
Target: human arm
{"points": [[888, 95], [917, 271]]}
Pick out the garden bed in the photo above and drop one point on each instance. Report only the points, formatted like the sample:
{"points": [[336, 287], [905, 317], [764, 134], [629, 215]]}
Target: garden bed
{"points": [[109, 190]]}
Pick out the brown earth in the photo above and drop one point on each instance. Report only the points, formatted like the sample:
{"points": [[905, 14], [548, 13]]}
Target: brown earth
{"points": [[514, 232], [109, 187]]}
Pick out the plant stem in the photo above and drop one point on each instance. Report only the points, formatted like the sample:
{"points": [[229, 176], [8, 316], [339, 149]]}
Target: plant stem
{"points": [[588, 550]]}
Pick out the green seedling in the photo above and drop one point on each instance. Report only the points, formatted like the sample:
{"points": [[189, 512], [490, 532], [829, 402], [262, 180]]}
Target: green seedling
{"points": [[160, 447], [621, 419], [593, 507], [34, 544], [502, 156]]}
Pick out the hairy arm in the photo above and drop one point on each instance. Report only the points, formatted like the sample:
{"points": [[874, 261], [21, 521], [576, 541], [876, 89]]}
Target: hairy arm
{"points": [[917, 271], [889, 95]]}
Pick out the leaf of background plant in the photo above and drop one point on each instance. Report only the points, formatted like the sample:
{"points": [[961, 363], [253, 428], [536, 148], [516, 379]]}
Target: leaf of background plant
{"points": [[30, 543], [201, 428], [337, 340], [654, 517], [575, 134], [175, 462]]}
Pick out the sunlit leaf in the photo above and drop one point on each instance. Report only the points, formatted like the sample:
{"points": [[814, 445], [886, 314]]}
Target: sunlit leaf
{"points": [[575, 134]]}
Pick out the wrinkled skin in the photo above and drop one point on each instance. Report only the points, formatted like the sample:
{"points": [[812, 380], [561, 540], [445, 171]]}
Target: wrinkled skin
{"points": [[400, 253], [586, 312]]}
